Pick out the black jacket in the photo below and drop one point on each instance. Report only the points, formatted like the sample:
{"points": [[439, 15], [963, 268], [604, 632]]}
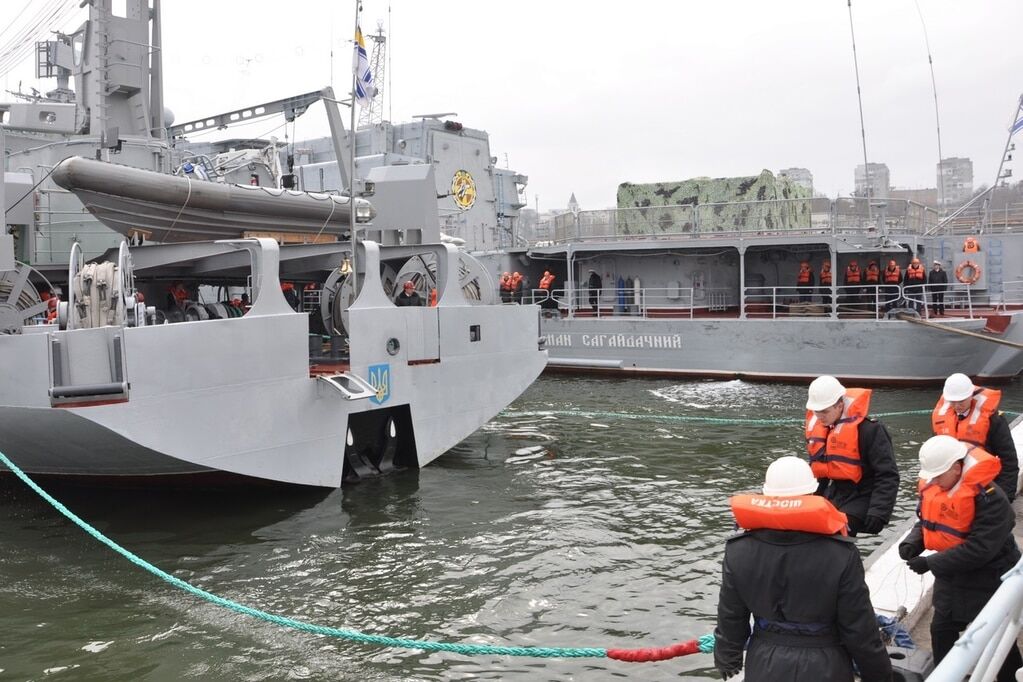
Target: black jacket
{"points": [[403, 300], [966, 575], [791, 577], [875, 494], [937, 277], [1000, 444]]}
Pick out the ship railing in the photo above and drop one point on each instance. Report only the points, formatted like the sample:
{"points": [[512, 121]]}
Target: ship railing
{"points": [[864, 301], [958, 298], [648, 302], [985, 643], [779, 217], [1012, 294], [991, 211]]}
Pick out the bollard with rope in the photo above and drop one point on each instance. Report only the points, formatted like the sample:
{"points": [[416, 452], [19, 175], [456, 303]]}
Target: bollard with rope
{"points": [[702, 644]]}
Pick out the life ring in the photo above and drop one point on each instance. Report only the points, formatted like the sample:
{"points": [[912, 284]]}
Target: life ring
{"points": [[974, 272]]}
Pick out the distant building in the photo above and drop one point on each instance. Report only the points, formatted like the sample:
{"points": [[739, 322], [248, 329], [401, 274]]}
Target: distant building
{"points": [[955, 178], [800, 176], [872, 180], [573, 205]]}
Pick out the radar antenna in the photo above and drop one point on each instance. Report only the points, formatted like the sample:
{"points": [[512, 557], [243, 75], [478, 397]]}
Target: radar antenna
{"points": [[373, 113]]}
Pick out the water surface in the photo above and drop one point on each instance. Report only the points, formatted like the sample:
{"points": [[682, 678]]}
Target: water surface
{"points": [[591, 513]]}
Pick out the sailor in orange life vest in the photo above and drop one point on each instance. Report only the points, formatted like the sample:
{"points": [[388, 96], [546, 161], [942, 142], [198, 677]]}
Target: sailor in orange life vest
{"points": [[851, 454], [970, 413], [967, 521], [801, 578], [804, 282]]}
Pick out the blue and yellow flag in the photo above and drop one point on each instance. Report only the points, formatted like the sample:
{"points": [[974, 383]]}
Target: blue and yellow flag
{"points": [[364, 88]]}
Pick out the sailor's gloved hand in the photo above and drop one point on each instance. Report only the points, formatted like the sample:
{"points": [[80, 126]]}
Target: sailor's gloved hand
{"points": [[906, 552], [873, 524], [728, 672], [918, 565]]}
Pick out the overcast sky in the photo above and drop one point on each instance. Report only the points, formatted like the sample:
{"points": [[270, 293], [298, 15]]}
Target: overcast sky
{"points": [[581, 97]]}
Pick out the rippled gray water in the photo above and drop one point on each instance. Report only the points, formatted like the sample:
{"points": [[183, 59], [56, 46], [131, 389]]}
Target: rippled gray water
{"points": [[544, 528]]}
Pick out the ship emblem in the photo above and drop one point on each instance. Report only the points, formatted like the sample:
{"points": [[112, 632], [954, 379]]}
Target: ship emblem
{"points": [[380, 379], [463, 190]]}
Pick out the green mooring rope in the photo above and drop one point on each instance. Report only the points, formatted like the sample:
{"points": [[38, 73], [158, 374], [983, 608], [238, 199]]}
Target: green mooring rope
{"points": [[590, 414], [706, 642]]}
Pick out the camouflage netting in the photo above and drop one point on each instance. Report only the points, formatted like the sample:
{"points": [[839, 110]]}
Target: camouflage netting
{"points": [[711, 205]]}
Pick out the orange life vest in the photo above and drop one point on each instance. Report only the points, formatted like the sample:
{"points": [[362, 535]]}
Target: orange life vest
{"points": [[835, 452], [809, 513], [892, 275], [506, 283], [915, 273], [852, 274], [804, 275], [873, 274], [971, 245], [826, 274], [433, 297], [974, 428], [946, 516], [546, 281]]}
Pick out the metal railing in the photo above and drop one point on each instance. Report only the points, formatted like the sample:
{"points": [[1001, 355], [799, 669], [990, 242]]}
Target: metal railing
{"points": [[984, 213], [983, 646], [864, 301], [744, 218]]}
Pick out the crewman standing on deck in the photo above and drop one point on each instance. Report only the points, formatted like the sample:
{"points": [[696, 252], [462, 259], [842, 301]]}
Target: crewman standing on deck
{"points": [[801, 579], [851, 454], [967, 521], [804, 282], [970, 414]]}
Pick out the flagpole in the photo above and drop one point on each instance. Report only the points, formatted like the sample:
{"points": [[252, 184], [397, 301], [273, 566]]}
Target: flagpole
{"points": [[351, 162], [859, 100]]}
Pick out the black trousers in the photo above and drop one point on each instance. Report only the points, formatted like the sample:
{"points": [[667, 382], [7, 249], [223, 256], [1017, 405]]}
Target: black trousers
{"points": [[938, 302], [944, 634]]}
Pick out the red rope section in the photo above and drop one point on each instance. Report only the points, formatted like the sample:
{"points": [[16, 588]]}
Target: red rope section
{"points": [[655, 653]]}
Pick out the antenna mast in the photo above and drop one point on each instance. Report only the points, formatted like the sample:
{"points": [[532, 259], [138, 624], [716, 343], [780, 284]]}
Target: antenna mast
{"points": [[374, 113], [937, 120], [859, 100]]}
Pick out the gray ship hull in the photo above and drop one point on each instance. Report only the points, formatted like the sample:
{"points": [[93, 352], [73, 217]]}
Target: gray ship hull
{"points": [[788, 349]]}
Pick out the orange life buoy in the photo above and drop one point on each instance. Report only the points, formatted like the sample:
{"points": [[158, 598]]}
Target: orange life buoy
{"points": [[974, 272]]}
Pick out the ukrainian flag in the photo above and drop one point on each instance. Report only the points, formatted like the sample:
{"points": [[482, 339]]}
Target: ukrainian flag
{"points": [[364, 88]]}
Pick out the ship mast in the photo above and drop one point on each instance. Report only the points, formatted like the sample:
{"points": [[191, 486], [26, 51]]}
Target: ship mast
{"points": [[859, 100], [373, 113]]}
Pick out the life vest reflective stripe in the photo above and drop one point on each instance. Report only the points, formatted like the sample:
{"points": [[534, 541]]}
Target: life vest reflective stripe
{"points": [[852, 275], [804, 276], [892, 276], [873, 274], [808, 513], [826, 275], [835, 452], [974, 428], [947, 516], [971, 245], [915, 273]]}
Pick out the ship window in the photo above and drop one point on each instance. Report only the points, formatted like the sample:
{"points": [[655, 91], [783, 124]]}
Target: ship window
{"points": [[474, 333], [77, 48]]}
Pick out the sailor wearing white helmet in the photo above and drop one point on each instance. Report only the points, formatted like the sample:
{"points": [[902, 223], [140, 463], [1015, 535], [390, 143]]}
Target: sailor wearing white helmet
{"points": [[967, 520], [850, 454], [794, 570], [970, 414]]}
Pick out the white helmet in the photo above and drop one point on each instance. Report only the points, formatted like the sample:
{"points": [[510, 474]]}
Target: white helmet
{"points": [[788, 476], [957, 387], [824, 392], [938, 454]]}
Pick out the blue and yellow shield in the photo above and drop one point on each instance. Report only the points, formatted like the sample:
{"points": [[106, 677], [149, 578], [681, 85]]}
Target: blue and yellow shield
{"points": [[380, 379]]}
